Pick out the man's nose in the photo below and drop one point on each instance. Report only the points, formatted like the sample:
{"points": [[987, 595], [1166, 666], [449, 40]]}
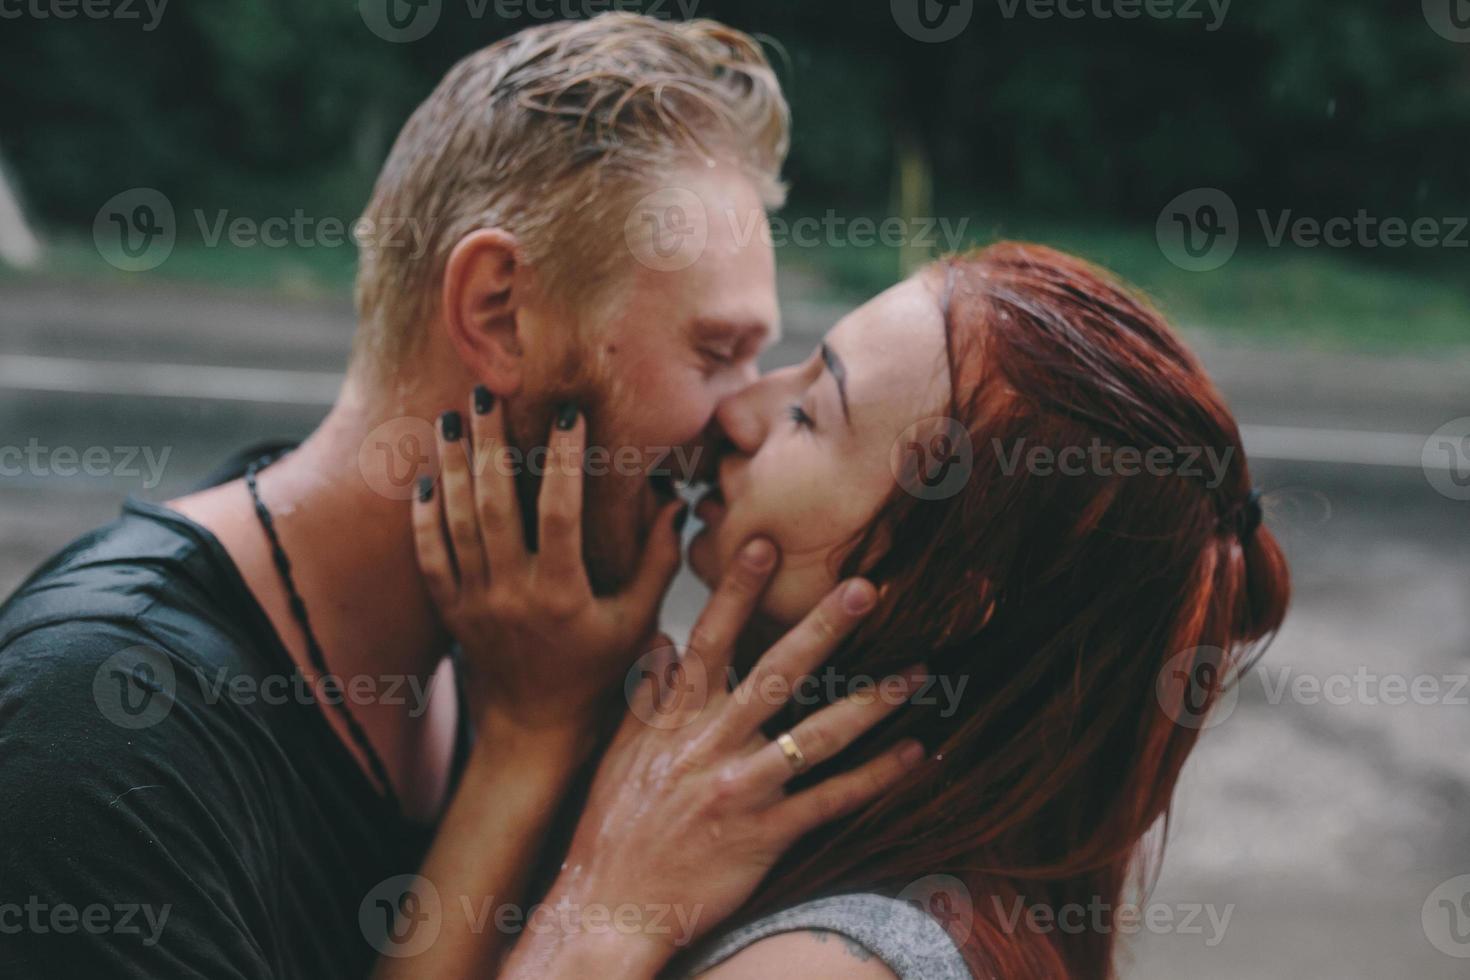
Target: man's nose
{"points": [[744, 418]]}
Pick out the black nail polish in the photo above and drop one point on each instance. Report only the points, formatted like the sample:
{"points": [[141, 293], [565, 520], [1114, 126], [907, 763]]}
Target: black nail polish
{"points": [[484, 400], [426, 489], [451, 425], [680, 519], [566, 416]]}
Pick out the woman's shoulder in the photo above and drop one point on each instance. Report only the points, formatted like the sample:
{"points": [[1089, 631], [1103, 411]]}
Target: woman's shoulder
{"points": [[861, 934]]}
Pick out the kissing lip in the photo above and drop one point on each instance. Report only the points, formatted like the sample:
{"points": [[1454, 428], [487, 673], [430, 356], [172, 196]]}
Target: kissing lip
{"points": [[663, 485], [711, 506]]}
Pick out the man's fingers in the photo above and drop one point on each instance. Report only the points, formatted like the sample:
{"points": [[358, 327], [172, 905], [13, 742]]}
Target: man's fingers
{"points": [[429, 546], [713, 637], [636, 607], [559, 507], [797, 654], [459, 504], [827, 732], [495, 486], [845, 793]]}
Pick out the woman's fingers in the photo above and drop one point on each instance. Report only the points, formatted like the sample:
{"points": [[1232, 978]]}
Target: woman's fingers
{"points": [[429, 546], [559, 507], [496, 504], [713, 637], [645, 690], [844, 793], [797, 654], [824, 734], [459, 503]]}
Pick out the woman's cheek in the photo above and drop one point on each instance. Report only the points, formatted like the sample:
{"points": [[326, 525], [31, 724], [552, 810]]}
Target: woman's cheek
{"points": [[796, 591]]}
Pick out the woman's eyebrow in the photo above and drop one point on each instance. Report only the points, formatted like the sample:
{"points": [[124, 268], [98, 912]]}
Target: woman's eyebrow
{"points": [[839, 374]]}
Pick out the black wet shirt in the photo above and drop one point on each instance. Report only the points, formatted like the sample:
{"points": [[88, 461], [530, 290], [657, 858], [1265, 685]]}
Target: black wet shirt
{"points": [[168, 808]]}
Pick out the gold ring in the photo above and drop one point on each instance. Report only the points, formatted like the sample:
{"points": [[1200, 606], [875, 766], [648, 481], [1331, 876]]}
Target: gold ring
{"points": [[792, 751]]}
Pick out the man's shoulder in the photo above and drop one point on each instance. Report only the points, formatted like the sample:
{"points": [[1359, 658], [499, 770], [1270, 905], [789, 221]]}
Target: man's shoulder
{"points": [[113, 572], [128, 625], [149, 577]]}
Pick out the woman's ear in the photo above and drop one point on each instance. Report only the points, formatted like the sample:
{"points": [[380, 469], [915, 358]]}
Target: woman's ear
{"points": [[480, 307]]}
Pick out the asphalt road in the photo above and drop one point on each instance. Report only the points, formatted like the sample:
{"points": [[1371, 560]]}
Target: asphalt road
{"points": [[1320, 816]]}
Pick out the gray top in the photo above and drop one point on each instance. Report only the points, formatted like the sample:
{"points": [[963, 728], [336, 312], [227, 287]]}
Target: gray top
{"points": [[913, 945]]}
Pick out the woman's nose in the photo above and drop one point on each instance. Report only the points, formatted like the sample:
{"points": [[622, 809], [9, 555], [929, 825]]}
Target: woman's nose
{"points": [[745, 417]]}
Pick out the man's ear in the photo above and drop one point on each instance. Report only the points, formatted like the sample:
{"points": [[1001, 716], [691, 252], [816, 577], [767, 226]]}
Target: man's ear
{"points": [[480, 305]]}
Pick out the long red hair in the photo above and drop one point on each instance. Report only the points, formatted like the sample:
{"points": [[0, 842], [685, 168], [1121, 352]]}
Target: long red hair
{"points": [[1062, 599]]}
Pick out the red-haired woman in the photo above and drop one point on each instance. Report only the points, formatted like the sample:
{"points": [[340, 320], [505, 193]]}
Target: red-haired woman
{"points": [[1052, 501]]}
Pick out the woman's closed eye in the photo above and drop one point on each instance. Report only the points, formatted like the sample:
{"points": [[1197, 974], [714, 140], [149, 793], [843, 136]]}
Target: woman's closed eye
{"points": [[800, 417]]}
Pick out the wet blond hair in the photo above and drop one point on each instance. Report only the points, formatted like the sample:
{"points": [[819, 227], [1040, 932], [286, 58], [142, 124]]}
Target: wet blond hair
{"points": [[553, 134]]}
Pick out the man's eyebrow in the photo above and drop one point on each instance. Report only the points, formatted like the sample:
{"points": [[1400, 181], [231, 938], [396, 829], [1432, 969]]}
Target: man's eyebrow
{"points": [[716, 329], [839, 374]]}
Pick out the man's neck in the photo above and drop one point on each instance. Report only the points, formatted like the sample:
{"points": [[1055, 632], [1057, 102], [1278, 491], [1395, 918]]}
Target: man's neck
{"points": [[351, 554]]}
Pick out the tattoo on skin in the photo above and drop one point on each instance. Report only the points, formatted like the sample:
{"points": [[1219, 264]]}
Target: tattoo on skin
{"points": [[856, 949]]}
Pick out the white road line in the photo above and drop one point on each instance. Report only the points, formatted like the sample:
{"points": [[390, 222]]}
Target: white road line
{"points": [[319, 388], [1349, 446], [201, 381]]}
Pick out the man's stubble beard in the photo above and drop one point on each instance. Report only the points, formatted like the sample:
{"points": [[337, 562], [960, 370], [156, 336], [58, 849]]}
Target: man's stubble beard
{"points": [[613, 526]]}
